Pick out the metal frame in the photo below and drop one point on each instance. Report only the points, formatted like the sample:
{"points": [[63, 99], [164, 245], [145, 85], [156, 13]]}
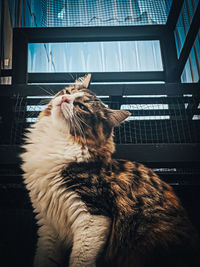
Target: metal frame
{"points": [[174, 14], [170, 89], [97, 77], [173, 67], [80, 34], [158, 154], [174, 154], [189, 41], [164, 33]]}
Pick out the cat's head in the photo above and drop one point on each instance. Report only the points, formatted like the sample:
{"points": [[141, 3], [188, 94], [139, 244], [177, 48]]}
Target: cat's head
{"points": [[78, 112]]}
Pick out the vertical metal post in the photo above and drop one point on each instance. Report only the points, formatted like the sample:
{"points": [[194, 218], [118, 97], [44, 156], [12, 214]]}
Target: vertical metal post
{"points": [[20, 57], [1, 34], [169, 54]]}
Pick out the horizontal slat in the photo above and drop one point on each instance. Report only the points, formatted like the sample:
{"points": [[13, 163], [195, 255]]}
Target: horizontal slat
{"points": [[127, 100], [89, 34], [168, 153], [148, 124], [160, 152], [62, 77], [176, 111], [172, 89]]}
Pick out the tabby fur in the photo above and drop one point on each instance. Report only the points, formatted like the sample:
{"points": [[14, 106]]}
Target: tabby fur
{"points": [[103, 211]]}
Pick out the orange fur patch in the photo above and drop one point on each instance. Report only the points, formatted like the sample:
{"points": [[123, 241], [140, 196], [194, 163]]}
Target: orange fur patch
{"points": [[45, 112], [171, 197]]}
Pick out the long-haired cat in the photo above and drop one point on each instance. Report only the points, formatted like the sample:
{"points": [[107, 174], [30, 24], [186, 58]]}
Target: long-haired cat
{"points": [[104, 211]]}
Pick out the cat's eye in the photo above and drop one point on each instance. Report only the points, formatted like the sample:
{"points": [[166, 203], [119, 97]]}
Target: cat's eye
{"points": [[81, 106]]}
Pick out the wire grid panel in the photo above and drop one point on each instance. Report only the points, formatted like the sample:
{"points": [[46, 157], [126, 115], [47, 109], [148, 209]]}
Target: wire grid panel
{"points": [[155, 119], [191, 72], [184, 22], [165, 120], [78, 13]]}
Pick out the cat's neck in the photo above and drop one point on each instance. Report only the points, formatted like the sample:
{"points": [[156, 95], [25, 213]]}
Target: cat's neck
{"points": [[99, 149], [48, 148], [52, 149]]}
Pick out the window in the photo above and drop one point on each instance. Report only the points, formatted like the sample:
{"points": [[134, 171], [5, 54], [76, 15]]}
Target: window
{"points": [[95, 57]]}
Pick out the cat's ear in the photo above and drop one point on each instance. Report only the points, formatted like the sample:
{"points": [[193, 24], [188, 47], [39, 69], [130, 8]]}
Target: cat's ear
{"points": [[115, 117], [83, 82]]}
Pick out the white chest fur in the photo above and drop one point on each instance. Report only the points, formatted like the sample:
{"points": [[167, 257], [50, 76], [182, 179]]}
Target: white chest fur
{"points": [[61, 214], [48, 151]]}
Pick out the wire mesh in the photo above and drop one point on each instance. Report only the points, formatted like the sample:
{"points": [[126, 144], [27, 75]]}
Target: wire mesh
{"points": [[67, 13], [184, 22], [156, 119], [191, 72]]}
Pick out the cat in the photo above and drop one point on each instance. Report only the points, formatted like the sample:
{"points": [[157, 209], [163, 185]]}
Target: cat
{"points": [[102, 211]]}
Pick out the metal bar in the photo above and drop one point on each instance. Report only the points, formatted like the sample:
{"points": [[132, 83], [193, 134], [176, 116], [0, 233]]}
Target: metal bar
{"points": [[170, 153], [192, 33], [139, 112], [185, 31], [172, 89], [178, 41], [148, 153], [23, 36], [124, 100], [192, 108], [198, 37], [97, 77], [20, 57], [2, 4], [6, 73], [169, 56], [91, 34], [174, 14]]}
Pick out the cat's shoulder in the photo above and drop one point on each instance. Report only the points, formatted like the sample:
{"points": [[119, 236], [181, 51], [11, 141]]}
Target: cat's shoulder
{"points": [[122, 165]]}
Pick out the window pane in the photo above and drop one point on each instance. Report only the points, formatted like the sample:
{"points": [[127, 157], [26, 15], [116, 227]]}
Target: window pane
{"points": [[191, 72], [184, 22], [95, 57]]}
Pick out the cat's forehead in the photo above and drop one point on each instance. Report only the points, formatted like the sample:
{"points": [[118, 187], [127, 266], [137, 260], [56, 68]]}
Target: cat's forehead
{"points": [[84, 93]]}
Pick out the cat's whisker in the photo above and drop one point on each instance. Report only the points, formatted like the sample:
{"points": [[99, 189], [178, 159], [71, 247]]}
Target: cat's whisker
{"points": [[74, 128], [70, 115], [71, 121], [45, 90], [79, 124], [81, 132], [71, 75], [82, 121], [51, 91], [79, 128], [43, 102]]}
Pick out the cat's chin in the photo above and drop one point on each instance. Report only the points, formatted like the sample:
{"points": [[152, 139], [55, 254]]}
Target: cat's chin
{"points": [[60, 119]]}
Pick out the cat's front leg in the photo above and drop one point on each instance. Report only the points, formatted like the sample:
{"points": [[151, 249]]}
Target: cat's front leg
{"points": [[90, 237], [49, 248]]}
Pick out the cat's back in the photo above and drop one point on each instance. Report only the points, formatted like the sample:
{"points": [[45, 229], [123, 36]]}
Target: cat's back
{"points": [[147, 216], [150, 218]]}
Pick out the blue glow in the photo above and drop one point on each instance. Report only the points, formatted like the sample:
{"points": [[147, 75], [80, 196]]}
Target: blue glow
{"points": [[76, 13], [95, 57]]}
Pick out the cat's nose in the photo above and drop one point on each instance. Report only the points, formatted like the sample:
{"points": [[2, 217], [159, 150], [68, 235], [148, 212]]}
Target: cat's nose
{"points": [[65, 99]]}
